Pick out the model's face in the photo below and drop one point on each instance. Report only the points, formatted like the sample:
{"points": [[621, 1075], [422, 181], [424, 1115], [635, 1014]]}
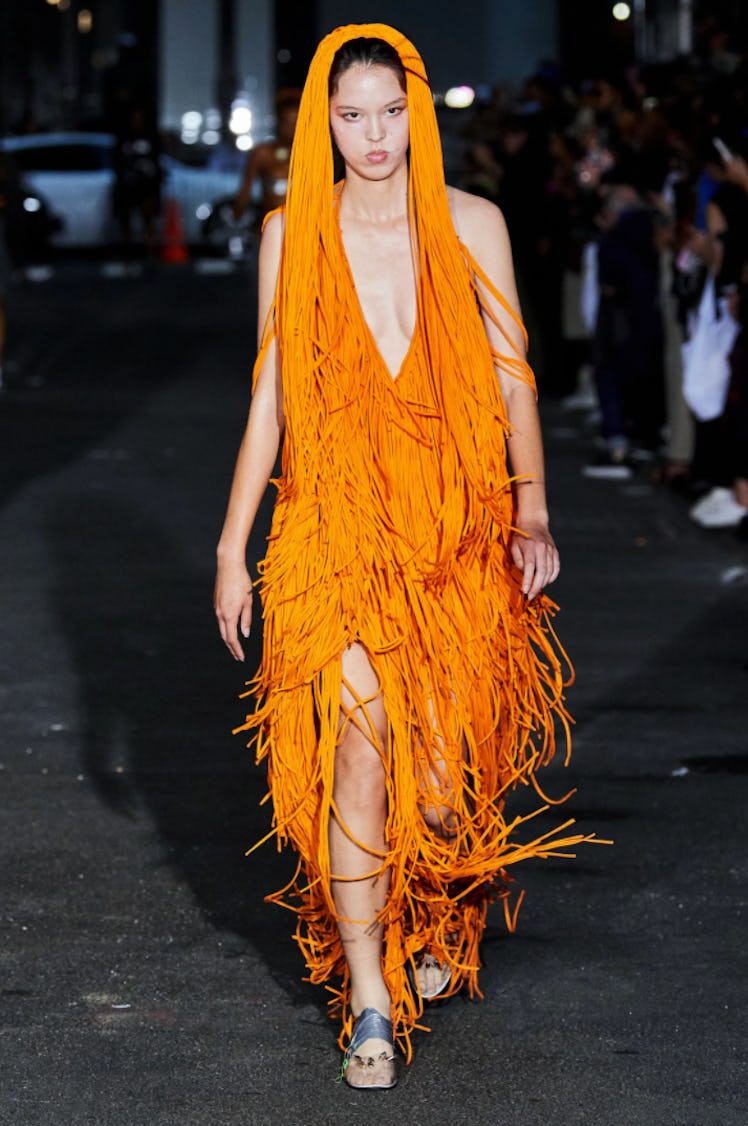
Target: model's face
{"points": [[369, 121]]}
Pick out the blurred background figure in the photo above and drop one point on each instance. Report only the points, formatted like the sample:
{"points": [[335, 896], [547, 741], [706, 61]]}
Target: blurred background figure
{"points": [[628, 345], [721, 457], [137, 189], [11, 216], [268, 163]]}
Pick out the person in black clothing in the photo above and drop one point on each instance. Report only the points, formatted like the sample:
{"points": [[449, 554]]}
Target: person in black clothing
{"points": [[628, 343], [722, 444], [137, 192], [11, 220]]}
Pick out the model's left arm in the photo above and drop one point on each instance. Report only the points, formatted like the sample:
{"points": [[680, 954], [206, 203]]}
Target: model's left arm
{"points": [[483, 231]]}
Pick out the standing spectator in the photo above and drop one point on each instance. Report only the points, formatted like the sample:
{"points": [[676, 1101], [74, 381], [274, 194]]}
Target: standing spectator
{"points": [[523, 153], [737, 415], [10, 204], [722, 442], [680, 271], [137, 191], [628, 345], [269, 163]]}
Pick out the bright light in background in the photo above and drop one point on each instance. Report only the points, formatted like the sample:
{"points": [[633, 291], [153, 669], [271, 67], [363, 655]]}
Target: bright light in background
{"points": [[31, 204], [192, 122], [621, 12], [459, 97], [85, 21], [241, 119], [206, 127]]}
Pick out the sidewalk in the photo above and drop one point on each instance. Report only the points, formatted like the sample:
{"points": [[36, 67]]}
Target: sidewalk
{"points": [[144, 981]]}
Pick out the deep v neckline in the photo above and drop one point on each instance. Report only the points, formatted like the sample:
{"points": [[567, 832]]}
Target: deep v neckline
{"points": [[393, 377]]}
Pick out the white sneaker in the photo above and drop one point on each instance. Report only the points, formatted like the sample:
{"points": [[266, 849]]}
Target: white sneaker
{"points": [[723, 511], [607, 467], [583, 399], [712, 500]]}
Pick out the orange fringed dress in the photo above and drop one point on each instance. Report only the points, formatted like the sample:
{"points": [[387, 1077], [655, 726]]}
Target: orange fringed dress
{"points": [[391, 528]]}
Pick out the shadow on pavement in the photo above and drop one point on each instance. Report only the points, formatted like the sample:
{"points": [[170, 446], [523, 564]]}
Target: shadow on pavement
{"points": [[156, 717], [90, 354]]}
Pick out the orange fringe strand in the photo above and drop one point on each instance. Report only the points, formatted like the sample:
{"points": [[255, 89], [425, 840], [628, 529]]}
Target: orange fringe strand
{"points": [[391, 528]]}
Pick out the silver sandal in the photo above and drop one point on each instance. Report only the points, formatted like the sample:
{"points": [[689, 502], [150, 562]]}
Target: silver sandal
{"points": [[369, 1025], [430, 961]]}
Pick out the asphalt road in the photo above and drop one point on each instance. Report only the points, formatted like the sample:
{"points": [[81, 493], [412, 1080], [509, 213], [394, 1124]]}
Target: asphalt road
{"points": [[144, 981]]}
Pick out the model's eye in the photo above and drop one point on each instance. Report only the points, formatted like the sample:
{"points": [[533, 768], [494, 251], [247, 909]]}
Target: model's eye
{"points": [[393, 111], [352, 115]]}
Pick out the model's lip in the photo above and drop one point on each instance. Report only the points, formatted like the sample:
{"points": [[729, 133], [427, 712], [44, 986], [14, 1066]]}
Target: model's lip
{"points": [[377, 154]]}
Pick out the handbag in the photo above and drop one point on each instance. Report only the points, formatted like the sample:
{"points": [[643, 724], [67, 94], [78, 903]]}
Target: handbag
{"points": [[706, 366]]}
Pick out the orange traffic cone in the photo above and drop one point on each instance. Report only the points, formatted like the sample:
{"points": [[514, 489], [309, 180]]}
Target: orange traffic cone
{"points": [[173, 245]]}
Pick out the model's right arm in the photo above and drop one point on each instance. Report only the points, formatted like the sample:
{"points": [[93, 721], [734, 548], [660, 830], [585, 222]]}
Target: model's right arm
{"points": [[257, 454]]}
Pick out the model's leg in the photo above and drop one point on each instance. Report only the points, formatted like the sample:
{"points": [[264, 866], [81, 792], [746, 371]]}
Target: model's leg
{"points": [[437, 788], [359, 889], [436, 781]]}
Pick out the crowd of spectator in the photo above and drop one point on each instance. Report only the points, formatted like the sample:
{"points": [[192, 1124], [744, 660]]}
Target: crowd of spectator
{"points": [[627, 204]]}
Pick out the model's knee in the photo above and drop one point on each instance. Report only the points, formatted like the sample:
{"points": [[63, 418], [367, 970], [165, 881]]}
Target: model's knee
{"points": [[436, 802], [359, 772], [439, 817]]}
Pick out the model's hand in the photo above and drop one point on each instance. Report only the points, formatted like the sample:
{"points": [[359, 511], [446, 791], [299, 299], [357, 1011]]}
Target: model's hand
{"points": [[536, 555], [232, 602]]}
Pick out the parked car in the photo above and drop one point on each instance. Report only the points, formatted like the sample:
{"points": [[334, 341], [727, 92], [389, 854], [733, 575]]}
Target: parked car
{"points": [[25, 221], [74, 174], [30, 236]]}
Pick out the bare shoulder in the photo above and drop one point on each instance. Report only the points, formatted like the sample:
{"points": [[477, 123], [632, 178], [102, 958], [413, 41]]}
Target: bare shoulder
{"points": [[482, 229], [476, 219], [270, 246], [272, 233]]}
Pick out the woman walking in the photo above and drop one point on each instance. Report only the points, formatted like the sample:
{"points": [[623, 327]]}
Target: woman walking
{"points": [[410, 676]]}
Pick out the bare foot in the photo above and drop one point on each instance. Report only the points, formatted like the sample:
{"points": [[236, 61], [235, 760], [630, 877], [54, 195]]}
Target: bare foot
{"points": [[372, 1065], [432, 976], [370, 1059]]}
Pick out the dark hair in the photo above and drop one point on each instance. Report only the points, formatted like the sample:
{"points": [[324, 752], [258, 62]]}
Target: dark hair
{"points": [[364, 52]]}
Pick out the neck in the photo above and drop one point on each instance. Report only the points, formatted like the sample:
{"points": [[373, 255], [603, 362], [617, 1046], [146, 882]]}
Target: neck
{"points": [[380, 201]]}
